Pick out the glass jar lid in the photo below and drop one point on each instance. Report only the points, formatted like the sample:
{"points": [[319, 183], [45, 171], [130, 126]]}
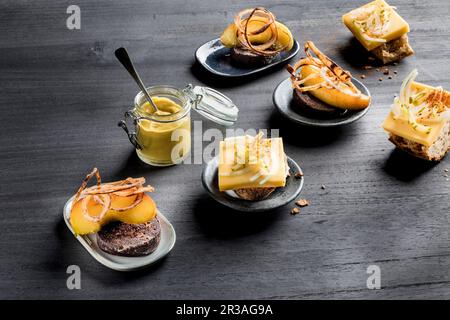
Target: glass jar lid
{"points": [[212, 104]]}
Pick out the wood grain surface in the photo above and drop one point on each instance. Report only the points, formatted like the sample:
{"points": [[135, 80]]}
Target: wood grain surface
{"points": [[62, 93]]}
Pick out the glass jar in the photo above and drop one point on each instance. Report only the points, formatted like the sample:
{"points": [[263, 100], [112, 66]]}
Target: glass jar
{"points": [[163, 138]]}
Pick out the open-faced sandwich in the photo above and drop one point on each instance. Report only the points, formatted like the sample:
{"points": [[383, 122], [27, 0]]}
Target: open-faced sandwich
{"points": [[256, 38], [381, 30], [122, 215], [252, 167], [419, 121], [321, 86]]}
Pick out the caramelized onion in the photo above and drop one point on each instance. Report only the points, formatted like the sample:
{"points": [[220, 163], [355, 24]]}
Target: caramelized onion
{"points": [[137, 200], [103, 193], [243, 32], [334, 77], [106, 203]]}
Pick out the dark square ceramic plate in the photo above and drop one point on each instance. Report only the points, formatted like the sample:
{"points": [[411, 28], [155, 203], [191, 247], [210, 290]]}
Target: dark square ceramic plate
{"points": [[214, 57], [280, 197], [284, 101]]}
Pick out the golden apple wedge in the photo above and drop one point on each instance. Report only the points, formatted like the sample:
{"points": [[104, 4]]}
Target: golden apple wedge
{"points": [[340, 99], [143, 212], [285, 39]]}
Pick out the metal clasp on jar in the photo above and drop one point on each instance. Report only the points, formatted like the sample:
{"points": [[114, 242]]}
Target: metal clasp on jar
{"points": [[131, 135], [195, 98]]}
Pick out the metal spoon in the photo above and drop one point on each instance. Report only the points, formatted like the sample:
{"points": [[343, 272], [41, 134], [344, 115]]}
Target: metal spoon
{"points": [[124, 58]]}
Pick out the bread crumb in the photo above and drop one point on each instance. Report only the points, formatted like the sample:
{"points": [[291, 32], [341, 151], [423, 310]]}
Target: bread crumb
{"points": [[323, 187], [302, 203], [295, 211], [389, 77], [386, 71], [367, 67], [380, 79], [395, 72], [363, 76], [298, 175], [377, 69]]}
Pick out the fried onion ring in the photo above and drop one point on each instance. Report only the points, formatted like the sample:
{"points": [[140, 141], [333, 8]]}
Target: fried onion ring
{"points": [[102, 194], [106, 204], [243, 32], [332, 74]]}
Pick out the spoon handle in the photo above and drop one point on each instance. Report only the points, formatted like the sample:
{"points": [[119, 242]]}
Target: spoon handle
{"points": [[124, 58]]}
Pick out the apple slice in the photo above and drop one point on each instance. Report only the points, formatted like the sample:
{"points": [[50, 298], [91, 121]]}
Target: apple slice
{"points": [[285, 39], [342, 99], [143, 212]]}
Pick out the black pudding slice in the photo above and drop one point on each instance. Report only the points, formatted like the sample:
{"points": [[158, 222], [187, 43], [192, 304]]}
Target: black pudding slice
{"points": [[311, 104], [130, 240], [247, 58]]}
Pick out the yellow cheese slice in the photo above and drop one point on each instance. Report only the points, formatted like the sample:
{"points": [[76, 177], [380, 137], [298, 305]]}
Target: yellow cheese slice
{"points": [[240, 164], [397, 26], [404, 129]]}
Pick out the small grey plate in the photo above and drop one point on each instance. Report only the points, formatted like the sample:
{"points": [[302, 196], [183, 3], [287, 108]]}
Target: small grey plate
{"points": [[280, 197], [214, 57], [119, 263], [284, 101]]}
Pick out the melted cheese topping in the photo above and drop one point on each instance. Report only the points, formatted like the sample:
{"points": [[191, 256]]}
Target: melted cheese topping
{"points": [[425, 132], [251, 162], [375, 23]]}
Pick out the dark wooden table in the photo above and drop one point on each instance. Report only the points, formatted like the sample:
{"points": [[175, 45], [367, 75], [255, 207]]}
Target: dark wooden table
{"points": [[62, 93]]}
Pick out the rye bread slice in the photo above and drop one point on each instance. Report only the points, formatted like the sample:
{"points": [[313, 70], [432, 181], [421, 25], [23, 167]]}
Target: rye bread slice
{"points": [[435, 152], [254, 194], [310, 104], [246, 58], [130, 240]]}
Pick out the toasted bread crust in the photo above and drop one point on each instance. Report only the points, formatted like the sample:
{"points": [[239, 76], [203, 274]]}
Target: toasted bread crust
{"points": [[393, 50], [435, 152]]}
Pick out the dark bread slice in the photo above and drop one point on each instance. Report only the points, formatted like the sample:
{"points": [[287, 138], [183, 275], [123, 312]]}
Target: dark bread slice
{"points": [[308, 103], [247, 58], [254, 194], [435, 152], [393, 50], [130, 240]]}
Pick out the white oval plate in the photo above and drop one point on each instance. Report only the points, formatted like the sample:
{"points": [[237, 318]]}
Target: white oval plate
{"points": [[119, 263]]}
